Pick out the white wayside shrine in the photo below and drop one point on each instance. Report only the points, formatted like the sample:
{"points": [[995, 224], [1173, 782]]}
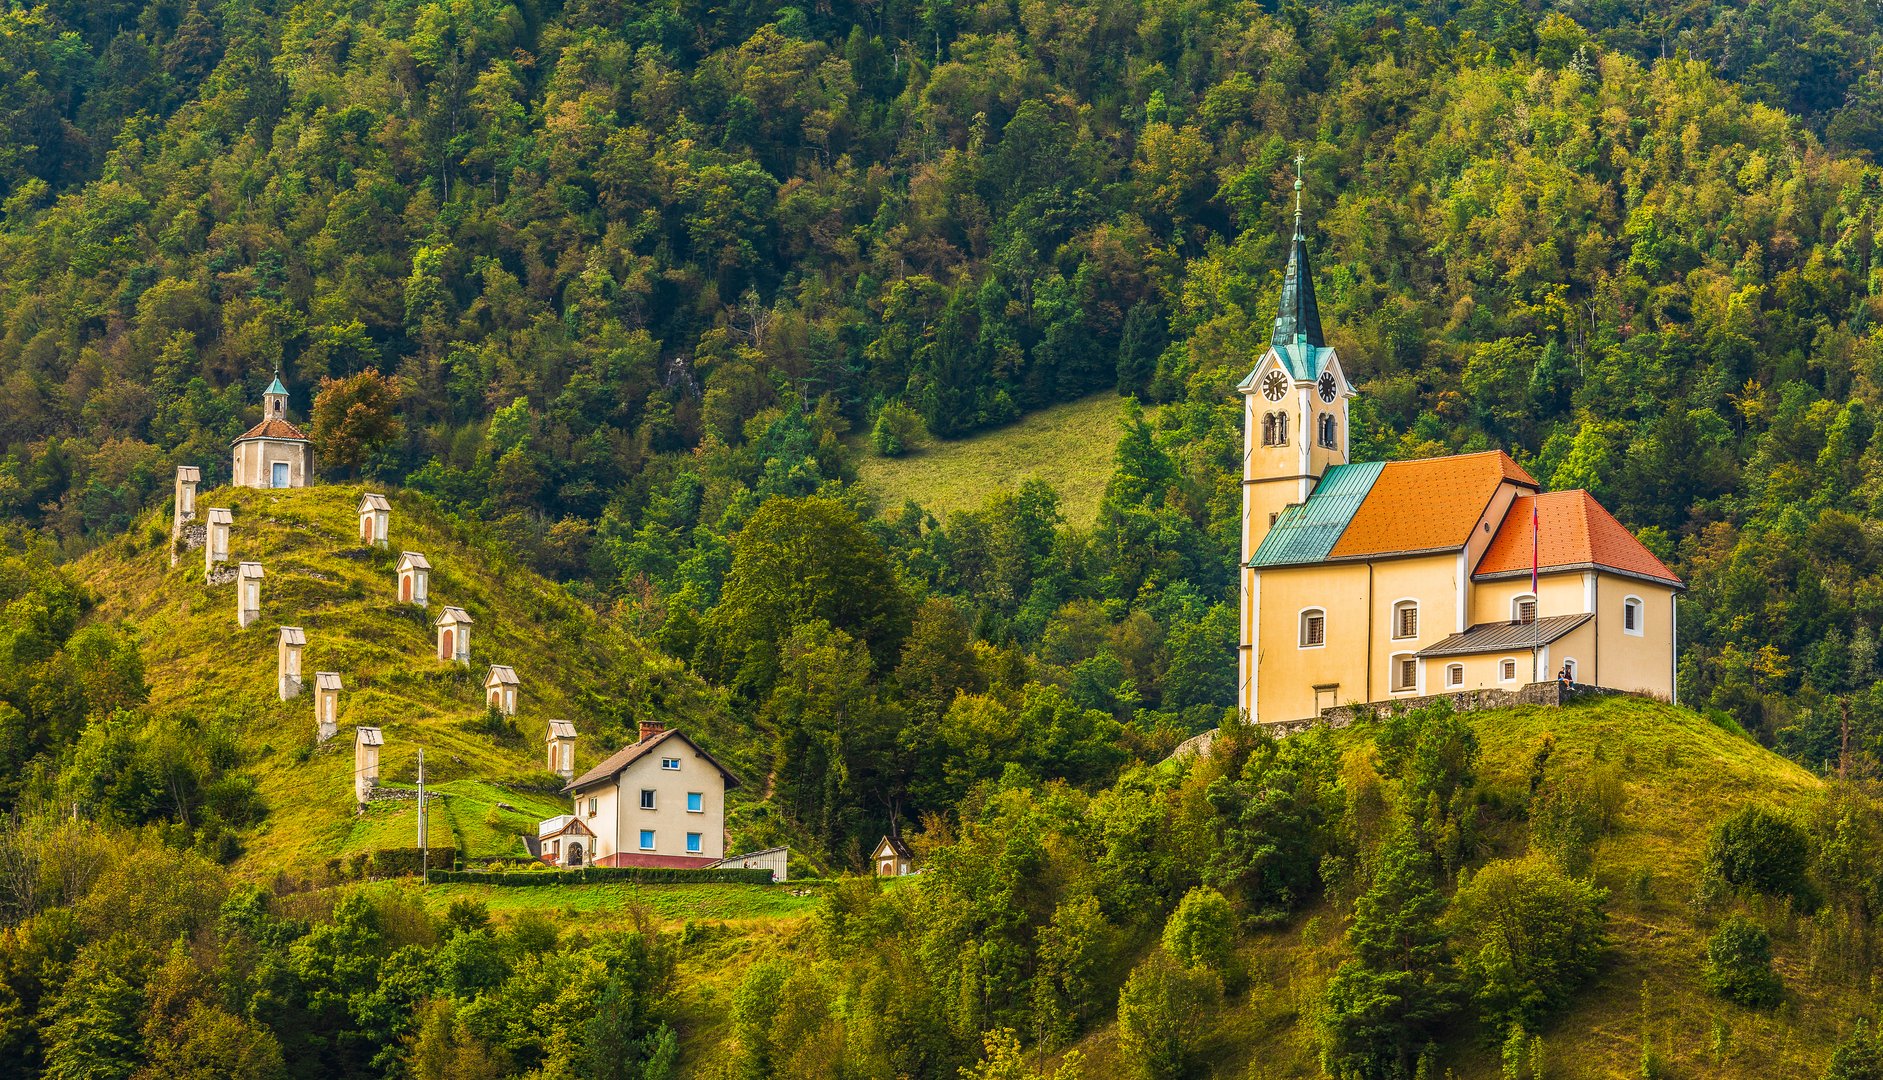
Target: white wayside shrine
{"points": [[500, 689], [454, 636], [326, 704], [415, 576], [216, 539], [288, 661], [188, 476], [375, 519], [560, 745], [366, 744], [248, 594]]}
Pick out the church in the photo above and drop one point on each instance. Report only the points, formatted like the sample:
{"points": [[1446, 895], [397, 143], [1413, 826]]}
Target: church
{"points": [[273, 453], [1382, 581]]}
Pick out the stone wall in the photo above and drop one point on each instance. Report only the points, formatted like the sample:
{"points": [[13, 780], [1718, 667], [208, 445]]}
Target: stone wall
{"points": [[1542, 693]]}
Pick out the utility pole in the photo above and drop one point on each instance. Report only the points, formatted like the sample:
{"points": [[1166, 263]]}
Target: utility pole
{"points": [[424, 849]]}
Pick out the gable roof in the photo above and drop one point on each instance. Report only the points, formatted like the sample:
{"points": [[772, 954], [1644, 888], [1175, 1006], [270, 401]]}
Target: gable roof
{"points": [[221, 516], [368, 736], [1503, 636], [1573, 531], [560, 824], [614, 763], [273, 428], [327, 680], [501, 673], [293, 635], [1427, 505], [189, 474], [559, 729], [1308, 531], [250, 569], [412, 560], [370, 501], [453, 615], [895, 844]]}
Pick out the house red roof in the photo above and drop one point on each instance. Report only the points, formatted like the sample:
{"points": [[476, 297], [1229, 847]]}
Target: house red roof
{"points": [[273, 428], [673, 862], [1572, 530], [1427, 505], [611, 766]]}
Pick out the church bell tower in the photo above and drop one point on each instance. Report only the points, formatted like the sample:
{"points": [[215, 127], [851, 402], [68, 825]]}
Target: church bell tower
{"points": [[1294, 426]]}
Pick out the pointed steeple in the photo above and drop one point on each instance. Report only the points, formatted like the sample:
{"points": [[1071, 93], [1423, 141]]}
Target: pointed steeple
{"points": [[1299, 320]]}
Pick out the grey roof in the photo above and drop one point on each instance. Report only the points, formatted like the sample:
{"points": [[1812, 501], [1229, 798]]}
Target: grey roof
{"points": [[1298, 319], [250, 569], [896, 845], [189, 474], [560, 729], [327, 680], [293, 635], [501, 673], [414, 560], [220, 516], [453, 615], [370, 501], [1504, 636], [369, 736], [1308, 532]]}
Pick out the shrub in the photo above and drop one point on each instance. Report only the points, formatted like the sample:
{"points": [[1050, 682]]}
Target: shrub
{"points": [[1162, 1013], [1201, 933], [1739, 964], [897, 428], [1526, 934], [1757, 849], [1859, 1057]]}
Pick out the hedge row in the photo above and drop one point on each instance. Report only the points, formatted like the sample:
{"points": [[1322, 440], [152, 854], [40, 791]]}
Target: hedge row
{"points": [[598, 875], [388, 862]]}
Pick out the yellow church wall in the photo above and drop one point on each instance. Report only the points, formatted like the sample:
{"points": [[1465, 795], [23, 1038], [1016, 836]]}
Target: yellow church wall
{"points": [[1558, 593], [1577, 645], [1640, 663]]}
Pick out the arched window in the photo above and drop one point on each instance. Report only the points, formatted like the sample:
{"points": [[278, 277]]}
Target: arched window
{"points": [[1523, 609], [1454, 676], [1405, 672], [1313, 628], [1406, 619], [1330, 432], [1631, 613], [1275, 429]]}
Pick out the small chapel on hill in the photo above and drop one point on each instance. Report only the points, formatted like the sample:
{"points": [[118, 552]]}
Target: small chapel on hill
{"points": [[1381, 581]]}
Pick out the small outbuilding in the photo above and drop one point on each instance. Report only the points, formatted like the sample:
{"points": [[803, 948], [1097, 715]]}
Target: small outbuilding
{"points": [[248, 593], [500, 689], [892, 857], [565, 840], [375, 519], [414, 578], [288, 661], [772, 858], [188, 476], [326, 704], [216, 538], [560, 744], [454, 635], [366, 744]]}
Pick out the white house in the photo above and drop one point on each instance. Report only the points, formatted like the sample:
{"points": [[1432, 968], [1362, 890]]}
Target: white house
{"points": [[288, 661], [500, 689], [414, 578], [375, 519], [248, 594], [454, 635], [658, 802]]}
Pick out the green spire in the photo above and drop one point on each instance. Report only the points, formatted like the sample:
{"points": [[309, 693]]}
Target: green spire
{"points": [[1299, 320], [276, 387]]}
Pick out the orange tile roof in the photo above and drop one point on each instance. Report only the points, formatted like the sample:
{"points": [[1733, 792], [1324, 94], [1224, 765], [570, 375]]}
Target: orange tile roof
{"points": [[1425, 505], [1572, 530], [273, 428]]}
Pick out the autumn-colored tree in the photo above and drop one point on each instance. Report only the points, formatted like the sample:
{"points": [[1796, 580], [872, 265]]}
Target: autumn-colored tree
{"points": [[354, 418]]}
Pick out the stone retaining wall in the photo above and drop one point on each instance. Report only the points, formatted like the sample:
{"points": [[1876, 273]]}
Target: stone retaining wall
{"points": [[1541, 693]]}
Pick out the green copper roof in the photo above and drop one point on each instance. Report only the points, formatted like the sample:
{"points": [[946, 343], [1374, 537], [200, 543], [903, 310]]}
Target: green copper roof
{"points": [[1306, 533], [276, 387], [1299, 317]]}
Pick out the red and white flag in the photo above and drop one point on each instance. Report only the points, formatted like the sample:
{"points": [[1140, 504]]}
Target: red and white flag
{"points": [[1534, 547]]}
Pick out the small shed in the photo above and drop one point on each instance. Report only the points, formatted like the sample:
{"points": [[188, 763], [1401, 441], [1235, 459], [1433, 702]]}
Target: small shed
{"points": [[326, 704], [288, 661], [375, 519], [892, 857], [216, 538], [454, 635], [414, 578], [560, 744], [366, 744], [500, 689], [773, 859], [248, 593]]}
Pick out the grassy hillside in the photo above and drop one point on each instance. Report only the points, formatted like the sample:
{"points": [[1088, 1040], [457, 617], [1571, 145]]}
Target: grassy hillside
{"points": [[318, 576], [1681, 774], [1069, 446]]}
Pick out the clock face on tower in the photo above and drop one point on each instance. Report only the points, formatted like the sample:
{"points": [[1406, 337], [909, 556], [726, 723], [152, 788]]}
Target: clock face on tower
{"points": [[1274, 385], [1327, 386]]}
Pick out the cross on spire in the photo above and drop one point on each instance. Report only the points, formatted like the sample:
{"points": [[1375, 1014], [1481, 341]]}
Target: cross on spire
{"points": [[1300, 158]]}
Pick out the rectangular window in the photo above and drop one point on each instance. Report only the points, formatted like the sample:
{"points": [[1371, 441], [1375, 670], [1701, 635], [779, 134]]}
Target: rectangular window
{"points": [[647, 798], [1507, 671], [594, 805], [1526, 610], [647, 839], [1455, 675], [695, 803], [1405, 674], [1314, 629], [671, 764], [1407, 625], [693, 843]]}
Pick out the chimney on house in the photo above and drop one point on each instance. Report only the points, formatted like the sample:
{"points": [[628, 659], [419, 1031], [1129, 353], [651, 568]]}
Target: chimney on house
{"points": [[651, 728]]}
